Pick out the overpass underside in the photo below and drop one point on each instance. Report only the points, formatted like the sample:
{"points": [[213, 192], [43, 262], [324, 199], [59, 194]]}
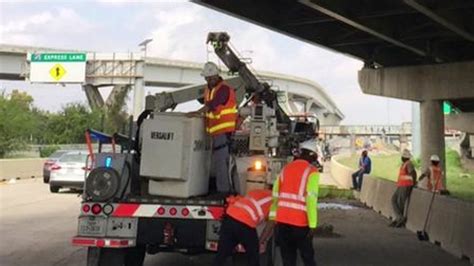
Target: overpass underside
{"points": [[417, 50]]}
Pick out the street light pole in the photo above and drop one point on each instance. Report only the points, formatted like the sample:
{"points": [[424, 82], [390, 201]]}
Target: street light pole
{"points": [[144, 44], [139, 85]]}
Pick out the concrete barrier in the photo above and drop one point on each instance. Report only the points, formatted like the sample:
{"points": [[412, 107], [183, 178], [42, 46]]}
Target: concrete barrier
{"points": [[21, 168], [451, 221], [341, 173]]}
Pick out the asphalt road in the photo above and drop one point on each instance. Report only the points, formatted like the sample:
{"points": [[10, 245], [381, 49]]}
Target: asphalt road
{"points": [[36, 228]]}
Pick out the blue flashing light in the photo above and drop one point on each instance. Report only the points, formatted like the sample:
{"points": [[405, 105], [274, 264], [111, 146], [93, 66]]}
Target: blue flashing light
{"points": [[108, 162]]}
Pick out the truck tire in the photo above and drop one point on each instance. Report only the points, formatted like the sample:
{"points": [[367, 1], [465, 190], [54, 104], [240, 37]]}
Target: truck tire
{"points": [[53, 189], [135, 256]]}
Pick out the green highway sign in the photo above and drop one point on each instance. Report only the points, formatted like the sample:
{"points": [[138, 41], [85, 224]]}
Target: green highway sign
{"points": [[57, 67], [447, 109], [58, 57]]}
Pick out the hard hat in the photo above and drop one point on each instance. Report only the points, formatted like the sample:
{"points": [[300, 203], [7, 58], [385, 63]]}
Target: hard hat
{"points": [[210, 69], [434, 157], [406, 154], [310, 145]]}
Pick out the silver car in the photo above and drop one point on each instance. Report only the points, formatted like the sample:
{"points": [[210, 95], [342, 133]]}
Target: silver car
{"points": [[49, 162], [68, 171]]}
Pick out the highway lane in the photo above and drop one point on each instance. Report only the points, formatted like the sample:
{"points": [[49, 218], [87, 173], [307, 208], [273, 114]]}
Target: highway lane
{"points": [[36, 228]]}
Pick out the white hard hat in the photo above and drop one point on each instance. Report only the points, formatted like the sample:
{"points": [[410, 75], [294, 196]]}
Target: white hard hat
{"points": [[210, 69], [310, 145], [406, 154], [434, 157]]}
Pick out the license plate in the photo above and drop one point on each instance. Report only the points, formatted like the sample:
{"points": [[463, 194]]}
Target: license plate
{"points": [[92, 226]]}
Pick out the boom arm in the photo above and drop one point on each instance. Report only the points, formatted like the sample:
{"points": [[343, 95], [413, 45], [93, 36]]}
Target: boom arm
{"points": [[220, 42]]}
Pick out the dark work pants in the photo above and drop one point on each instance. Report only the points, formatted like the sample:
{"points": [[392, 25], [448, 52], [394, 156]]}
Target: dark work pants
{"points": [[292, 238], [232, 233], [399, 199], [357, 179]]}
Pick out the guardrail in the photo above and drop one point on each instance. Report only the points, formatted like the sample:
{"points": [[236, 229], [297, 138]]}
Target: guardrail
{"points": [[21, 168], [451, 220]]}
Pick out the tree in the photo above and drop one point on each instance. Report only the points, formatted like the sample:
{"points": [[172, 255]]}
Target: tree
{"points": [[16, 121], [116, 116], [68, 126]]}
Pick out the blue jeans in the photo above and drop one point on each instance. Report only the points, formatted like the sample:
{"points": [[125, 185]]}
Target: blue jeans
{"points": [[357, 179]]}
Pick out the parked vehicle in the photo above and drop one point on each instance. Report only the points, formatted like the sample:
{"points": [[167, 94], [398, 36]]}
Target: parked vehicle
{"points": [[68, 171], [48, 163]]}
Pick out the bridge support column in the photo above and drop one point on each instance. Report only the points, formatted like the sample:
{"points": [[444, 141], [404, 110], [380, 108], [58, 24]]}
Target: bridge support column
{"points": [[93, 96], [138, 97], [139, 90], [429, 85], [432, 132]]}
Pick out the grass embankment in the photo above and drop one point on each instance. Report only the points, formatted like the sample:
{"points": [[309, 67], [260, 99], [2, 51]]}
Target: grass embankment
{"points": [[332, 192], [460, 182]]}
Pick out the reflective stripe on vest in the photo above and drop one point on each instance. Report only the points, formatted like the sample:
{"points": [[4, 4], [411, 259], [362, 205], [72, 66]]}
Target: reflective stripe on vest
{"points": [[300, 196], [404, 179], [223, 112], [304, 180], [434, 182], [221, 126], [284, 195], [256, 217], [247, 209], [223, 118], [292, 205]]}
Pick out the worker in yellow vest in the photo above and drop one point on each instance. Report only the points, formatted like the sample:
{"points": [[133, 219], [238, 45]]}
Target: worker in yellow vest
{"points": [[405, 183], [220, 109], [435, 175], [243, 215], [294, 208]]}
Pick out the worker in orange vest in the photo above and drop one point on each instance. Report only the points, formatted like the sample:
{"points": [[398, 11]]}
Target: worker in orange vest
{"points": [[294, 208], [405, 183], [243, 215], [220, 109], [435, 175]]}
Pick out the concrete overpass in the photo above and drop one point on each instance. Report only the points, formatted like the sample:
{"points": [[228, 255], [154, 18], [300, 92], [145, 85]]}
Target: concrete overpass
{"points": [[418, 50], [122, 70]]}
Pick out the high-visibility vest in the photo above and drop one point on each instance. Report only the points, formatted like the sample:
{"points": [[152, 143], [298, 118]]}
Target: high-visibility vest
{"points": [[251, 209], [404, 178], [291, 208], [435, 183], [223, 118]]}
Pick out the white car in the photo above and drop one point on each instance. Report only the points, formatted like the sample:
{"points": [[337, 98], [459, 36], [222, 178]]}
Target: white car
{"points": [[68, 171]]}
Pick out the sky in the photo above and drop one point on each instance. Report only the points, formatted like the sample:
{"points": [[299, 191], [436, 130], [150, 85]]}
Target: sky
{"points": [[179, 30]]}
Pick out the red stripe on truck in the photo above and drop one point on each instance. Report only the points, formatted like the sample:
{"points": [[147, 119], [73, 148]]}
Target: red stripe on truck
{"points": [[216, 212], [125, 210], [83, 241]]}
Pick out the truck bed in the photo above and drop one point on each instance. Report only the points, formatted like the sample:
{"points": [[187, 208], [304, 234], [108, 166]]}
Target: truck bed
{"points": [[212, 199]]}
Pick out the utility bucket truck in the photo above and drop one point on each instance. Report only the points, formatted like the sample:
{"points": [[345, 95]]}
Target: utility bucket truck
{"points": [[156, 195]]}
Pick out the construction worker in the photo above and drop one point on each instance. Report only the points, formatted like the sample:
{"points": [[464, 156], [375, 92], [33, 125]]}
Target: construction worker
{"points": [[365, 166], [243, 215], [405, 183], [294, 208], [220, 108], [435, 174]]}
